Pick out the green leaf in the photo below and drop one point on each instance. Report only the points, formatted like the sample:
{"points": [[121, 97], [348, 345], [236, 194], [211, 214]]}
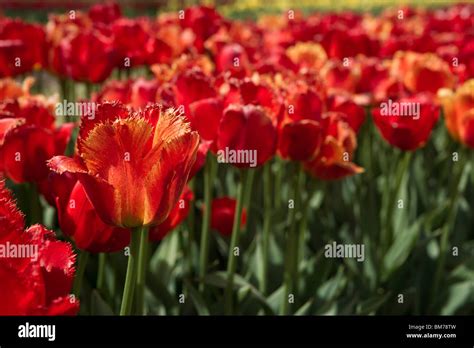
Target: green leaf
{"points": [[98, 305], [197, 299], [333, 287], [371, 305], [303, 310], [400, 250], [459, 295], [164, 259], [219, 279], [274, 300]]}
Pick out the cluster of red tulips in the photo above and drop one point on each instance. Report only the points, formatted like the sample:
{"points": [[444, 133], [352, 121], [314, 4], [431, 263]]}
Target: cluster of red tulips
{"points": [[186, 108]]}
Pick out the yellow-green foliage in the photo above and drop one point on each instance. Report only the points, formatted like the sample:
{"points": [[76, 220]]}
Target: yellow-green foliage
{"points": [[246, 6]]}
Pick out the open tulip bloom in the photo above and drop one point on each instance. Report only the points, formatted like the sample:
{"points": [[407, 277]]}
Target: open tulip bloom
{"points": [[190, 163]]}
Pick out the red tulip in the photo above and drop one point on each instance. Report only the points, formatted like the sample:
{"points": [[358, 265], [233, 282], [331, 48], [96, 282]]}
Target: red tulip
{"points": [[56, 185], [343, 103], [342, 42], [114, 90], [223, 213], [339, 76], [203, 21], [136, 93], [201, 156], [406, 123], [105, 13], [190, 86], [262, 94], [277, 62], [406, 42], [88, 56], [133, 166], [11, 218], [177, 215], [299, 140], [38, 282], [389, 88], [246, 136], [131, 40], [205, 116], [422, 72], [305, 105], [61, 28], [372, 71], [159, 51], [466, 56], [256, 91], [22, 47], [333, 161], [30, 139], [79, 220], [232, 58]]}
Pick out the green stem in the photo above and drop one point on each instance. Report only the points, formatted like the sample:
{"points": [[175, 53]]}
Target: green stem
{"points": [[209, 175], [303, 225], [191, 235], [141, 272], [71, 90], [289, 278], [277, 184], [101, 271], [267, 224], [387, 232], [368, 214], [184, 246], [461, 174], [246, 207], [64, 88], [245, 189], [130, 278], [36, 213], [81, 268], [71, 96], [89, 89]]}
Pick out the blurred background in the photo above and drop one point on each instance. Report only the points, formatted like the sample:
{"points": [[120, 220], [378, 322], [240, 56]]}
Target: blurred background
{"points": [[38, 9]]}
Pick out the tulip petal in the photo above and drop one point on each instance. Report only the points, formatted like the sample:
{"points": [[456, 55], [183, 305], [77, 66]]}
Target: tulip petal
{"points": [[11, 218], [25, 151], [105, 111], [114, 153], [63, 164]]}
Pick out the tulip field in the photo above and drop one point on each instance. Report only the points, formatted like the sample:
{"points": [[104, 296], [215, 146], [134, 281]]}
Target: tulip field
{"points": [[218, 160]]}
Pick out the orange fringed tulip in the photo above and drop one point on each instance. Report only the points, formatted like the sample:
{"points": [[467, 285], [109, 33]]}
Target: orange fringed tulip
{"points": [[459, 112], [133, 165]]}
